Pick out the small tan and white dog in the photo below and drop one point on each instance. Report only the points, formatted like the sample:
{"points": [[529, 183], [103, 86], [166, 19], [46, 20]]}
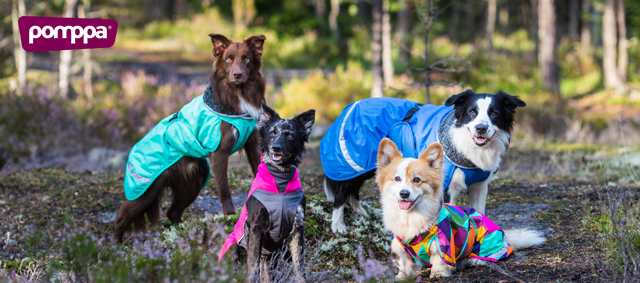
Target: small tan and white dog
{"points": [[426, 230]]}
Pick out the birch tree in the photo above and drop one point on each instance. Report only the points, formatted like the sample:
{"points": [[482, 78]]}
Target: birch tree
{"points": [[86, 56], [18, 10], [547, 56], [387, 63], [609, 40], [376, 63], [623, 43], [585, 31], [64, 68], [491, 22], [333, 19]]}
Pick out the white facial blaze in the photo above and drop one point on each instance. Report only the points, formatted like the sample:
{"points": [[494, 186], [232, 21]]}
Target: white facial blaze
{"points": [[404, 184], [483, 118]]}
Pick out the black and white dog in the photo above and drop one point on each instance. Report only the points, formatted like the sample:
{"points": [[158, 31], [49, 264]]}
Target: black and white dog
{"points": [[274, 213], [474, 134]]}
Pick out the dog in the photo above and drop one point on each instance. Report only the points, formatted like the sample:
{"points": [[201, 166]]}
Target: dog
{"points": [[215, 124], [427, 230], [275, 209], [474, 133]]}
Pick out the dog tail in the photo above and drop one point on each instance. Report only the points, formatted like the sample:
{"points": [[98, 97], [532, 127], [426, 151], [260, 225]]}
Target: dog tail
{"points": [[524, 238], [327, 190]]}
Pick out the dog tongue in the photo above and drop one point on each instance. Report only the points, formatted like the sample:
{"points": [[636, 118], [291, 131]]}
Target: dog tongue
{"points": [[404, 204], [481, 139]]}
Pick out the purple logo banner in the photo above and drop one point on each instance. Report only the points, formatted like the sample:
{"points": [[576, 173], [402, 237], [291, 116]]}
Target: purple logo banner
{"points": [[50, 33]]}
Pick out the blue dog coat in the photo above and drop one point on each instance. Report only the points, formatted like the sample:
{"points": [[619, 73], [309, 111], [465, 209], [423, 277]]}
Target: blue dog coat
{"points": [[194, 131], [350, 146]]}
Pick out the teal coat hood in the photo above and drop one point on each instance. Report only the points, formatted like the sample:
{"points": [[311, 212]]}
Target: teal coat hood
{"points": [[194, 132]]}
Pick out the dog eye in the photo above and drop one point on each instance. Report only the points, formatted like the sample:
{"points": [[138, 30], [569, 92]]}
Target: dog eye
{"points": [[228, 60], [416, 180], [472, 112], [398, 179], [290, 137], [493, 114], [272, 134], [246, 60]]}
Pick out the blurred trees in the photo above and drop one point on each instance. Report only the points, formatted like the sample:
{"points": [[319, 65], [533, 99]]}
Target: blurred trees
{"points": [[376, 48]]}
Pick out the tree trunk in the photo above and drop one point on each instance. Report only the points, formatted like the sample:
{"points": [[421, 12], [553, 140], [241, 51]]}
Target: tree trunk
{"points": [[17, 11], [573, 19], [333, 19], [64, 68], [453, 24], [364, 9], [243, 12], [491, 22], [470, 22], [547, 57], [585, 33], [319, 7], [504, 17], [403, 30], [378, 79], [609, 39], [623, 43], [86, 56], [387, 63], [535, 28]]}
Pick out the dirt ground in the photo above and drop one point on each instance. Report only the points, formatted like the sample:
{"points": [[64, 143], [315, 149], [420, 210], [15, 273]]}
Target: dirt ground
{"points": [[35, 197]]}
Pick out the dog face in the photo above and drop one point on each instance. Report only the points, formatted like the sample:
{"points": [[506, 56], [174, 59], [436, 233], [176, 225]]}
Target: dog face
{"points": [[282, 141], [484, 115], [409, 181], [237, 61]]}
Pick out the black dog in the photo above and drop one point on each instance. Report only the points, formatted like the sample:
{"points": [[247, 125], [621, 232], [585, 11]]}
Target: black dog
{"points": [[275, 209]]}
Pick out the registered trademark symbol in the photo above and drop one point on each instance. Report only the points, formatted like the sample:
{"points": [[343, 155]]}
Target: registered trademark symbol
{"points": [[109, 27]]}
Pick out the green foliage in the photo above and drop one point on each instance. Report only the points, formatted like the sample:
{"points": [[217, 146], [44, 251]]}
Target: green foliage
{"points": [[328, 95]]}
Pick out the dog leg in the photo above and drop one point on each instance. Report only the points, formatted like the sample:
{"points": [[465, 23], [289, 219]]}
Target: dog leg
{"points": [[327, 190], [406, 265], [254, 251], [296, 246], [469, 262], [337, 220], [183, 197], [219, 161], [354, 201], [439, 268], [456, 187], [265, 277], [478, 194], [251, 147], [134, 211]]}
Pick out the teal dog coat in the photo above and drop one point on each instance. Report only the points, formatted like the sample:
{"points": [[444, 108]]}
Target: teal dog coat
{"points": [[194, 132]]}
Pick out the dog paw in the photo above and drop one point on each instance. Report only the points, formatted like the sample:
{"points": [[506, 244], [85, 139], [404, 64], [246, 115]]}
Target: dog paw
{"points": [[363, 212], [400, 276], [338, 227], [439, 273]]}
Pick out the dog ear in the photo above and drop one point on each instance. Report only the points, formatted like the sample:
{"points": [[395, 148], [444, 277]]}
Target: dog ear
{"points": [[510, 100], [387, 152], [255, 43], [220, 43], [306, 120], [267, 116], [459, 99], [433, 156]]}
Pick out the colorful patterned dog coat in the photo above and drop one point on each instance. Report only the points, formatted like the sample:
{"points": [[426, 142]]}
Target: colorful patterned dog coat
{"points": [[281, 194], [461, 232]]}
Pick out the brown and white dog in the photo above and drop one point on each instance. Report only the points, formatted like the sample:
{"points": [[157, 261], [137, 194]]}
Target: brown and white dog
{"points": [[237, 87], [412, 204]]}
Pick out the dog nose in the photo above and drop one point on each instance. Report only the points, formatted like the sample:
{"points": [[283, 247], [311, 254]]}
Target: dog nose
{"points": [[481, 129], [237, 74], [276, 147], [404, 194]]}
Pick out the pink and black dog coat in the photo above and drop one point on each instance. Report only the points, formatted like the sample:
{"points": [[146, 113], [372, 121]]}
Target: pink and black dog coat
{"points": [[281, 193]]}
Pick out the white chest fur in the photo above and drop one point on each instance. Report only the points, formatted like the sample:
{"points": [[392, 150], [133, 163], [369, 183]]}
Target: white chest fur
{"points": [[246, 107]]}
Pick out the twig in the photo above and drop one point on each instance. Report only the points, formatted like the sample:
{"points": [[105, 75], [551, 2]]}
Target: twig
{"points": [[503, 271]]}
